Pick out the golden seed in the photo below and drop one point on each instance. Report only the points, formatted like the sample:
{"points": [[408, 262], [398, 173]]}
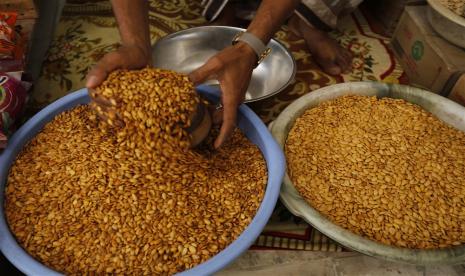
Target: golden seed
{"points": [[383, 168], [84, 197]]}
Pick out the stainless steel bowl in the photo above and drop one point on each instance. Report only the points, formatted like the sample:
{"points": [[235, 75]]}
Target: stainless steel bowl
{"points": [[443, 108], [189, 49], [449, 25]]}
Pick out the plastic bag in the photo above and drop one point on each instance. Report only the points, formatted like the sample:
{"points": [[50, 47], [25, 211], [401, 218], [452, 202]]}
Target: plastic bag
{"points": [[7, 35], [13, 97]]}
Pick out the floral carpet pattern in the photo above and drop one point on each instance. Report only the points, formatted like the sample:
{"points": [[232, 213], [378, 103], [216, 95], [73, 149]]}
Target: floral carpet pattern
{"points": [[87, 30]]}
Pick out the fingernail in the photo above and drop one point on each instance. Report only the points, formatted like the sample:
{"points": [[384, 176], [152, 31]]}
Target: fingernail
{"points": [[92, 81], [218, 143]]}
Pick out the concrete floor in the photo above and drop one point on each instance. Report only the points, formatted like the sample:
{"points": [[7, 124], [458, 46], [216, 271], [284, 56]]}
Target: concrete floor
{"points": [[297, 263]]}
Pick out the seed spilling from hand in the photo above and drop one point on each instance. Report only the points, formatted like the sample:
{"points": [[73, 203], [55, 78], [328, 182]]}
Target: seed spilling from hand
{"points": [[88, 197], [384, 169]]}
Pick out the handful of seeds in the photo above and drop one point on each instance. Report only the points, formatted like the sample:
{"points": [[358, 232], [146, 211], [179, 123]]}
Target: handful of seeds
{"points": [[384, 169], [154, 103], [87, 197]]}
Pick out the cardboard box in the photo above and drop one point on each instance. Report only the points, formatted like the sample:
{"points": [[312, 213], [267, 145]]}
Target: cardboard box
{"points": [[457, 92], [388, 12], [429, 61]]}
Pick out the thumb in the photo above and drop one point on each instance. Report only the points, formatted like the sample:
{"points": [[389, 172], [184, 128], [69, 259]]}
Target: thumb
{"points": [[204, 72], [95, 77], [101, 70]]}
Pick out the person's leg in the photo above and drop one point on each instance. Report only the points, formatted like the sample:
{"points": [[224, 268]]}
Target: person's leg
{"points": [[326, 52], [213, 8], [312, 20], [229, 12], [49, 15]]}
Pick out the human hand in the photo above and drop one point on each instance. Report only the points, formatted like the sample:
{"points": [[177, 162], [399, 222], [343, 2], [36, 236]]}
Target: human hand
{"points": [[125, 57], [232, 67]]}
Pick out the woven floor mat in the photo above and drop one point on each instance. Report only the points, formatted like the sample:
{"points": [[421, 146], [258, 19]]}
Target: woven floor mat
{"points": [[87, 30]]}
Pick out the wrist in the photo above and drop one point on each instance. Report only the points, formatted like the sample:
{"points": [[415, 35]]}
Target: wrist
{"points": [[143, 50], [256, 44], [263, 36], [247, 51]]}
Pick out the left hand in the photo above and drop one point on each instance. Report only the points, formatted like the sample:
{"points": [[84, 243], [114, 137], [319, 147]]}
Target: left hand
{"points": [[125, 57], [232, 67]]}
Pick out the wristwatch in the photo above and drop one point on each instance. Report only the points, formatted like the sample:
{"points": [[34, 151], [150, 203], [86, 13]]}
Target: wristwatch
{"points": [[255, 43]]}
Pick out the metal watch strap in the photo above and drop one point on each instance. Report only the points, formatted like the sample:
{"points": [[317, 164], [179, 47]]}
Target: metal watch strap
{"points": [[255, 43]]}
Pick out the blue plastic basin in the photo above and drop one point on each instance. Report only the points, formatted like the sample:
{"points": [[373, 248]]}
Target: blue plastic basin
{"points": [[248, 122]]}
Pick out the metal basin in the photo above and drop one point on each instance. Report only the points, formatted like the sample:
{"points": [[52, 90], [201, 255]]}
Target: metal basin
{"points": [[186, 50], [443, 108], [448, 24]]}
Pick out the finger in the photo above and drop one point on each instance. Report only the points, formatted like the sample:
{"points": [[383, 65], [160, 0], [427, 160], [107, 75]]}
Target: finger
{"points": [[348, 55], [245, 87], [227, 127], [96, 76], [342, 64], [107, 114], [100, 100], [205, 71], [217, 116], [98, 110], [100, 71], [229, 117], [216, 113]]}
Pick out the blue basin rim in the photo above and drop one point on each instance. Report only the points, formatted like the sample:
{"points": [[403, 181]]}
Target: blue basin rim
{"points": [[248, 122]]}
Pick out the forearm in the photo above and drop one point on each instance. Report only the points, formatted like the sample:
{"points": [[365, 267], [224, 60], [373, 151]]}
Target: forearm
{"points": [[270, 16], [133, 23]]}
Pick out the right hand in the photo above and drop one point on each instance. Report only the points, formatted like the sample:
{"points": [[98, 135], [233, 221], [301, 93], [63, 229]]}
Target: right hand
{"points": [[125, 57], [232, 67]]}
